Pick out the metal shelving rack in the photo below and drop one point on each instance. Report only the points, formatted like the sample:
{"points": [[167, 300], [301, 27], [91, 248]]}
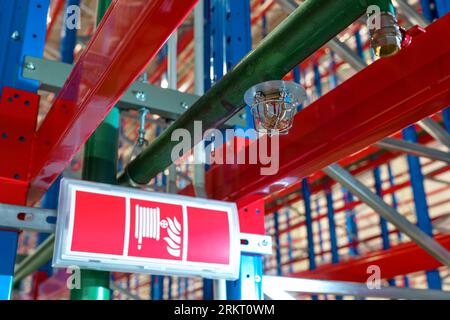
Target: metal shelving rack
{"points": [[321, 229]]}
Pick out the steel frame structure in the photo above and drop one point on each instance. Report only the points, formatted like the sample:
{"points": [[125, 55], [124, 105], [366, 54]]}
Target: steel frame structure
{"points": [[336, 126], [351, 124], [24, 25]]}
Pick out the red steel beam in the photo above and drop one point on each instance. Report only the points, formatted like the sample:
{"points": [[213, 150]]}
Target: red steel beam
{"points": [[129, 36], [399, 260], [387, 96], [357, 163]]}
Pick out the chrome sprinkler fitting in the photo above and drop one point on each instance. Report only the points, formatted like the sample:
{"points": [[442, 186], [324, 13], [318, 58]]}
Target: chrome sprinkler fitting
{"points": [[386, 36], [141, 142], [141, 132], [274, 105]]}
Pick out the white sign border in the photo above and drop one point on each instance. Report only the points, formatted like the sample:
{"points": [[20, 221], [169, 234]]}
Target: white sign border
{"points": [[65, 257]]}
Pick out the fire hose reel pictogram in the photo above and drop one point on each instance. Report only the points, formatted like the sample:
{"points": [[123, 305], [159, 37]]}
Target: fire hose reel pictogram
{"points": [[149, 224]]}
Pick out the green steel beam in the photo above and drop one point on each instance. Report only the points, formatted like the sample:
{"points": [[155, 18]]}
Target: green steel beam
{"points": [[34, 261], [308, 28], [100, 165]]}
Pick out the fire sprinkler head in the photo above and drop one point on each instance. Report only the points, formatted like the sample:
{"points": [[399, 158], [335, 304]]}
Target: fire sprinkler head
{"points": [[274, 105], [386, 40]]}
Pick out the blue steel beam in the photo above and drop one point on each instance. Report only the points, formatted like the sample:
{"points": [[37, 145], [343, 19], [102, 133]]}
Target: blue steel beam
{"points": [[289, 240], [350, 222], [227, 41], [69, 35], [23, 24], [248, 286], [276, 224], [67, 47], [431, 9], [319, 229], [157, 287], [383, 223], [420, 201], [306, 194], [332, 226], [395, 206]]}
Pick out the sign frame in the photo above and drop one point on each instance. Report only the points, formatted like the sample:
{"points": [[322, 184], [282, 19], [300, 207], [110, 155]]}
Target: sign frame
{"points": [[65, 257]]}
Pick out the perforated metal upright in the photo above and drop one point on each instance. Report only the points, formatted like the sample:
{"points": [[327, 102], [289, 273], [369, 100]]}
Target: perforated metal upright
{"points": [[227, 41], [23, 24]]}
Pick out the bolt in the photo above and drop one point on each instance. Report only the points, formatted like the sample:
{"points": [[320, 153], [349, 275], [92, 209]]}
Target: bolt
{"points": [[30, 66], [15, 35], [184, 105], [264, 243], [141, 96], [257, 279]]}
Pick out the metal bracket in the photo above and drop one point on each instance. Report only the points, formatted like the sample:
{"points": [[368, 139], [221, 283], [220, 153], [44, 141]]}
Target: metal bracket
{"points": [[256, 244], [27, 218], [167, 103]]}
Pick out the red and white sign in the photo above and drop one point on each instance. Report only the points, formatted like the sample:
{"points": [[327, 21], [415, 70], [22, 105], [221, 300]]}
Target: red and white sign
{"points": [[113, 228]]}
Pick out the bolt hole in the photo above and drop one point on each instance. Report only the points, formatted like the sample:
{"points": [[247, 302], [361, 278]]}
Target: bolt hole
{"points": [[10, 99], [21, 138], [35, 35], [26, 103], [248, 276], [39, 6], [22, 216], [17, 176], [258, 211], [51, 220], [245, 209], [16, 96], [4, 135]]}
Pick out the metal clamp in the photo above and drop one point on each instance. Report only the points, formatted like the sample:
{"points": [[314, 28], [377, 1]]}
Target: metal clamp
{"points": [[27, 218], [256, 244]]}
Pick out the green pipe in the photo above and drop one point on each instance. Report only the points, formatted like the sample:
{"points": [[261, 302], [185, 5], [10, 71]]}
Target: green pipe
{"points": [[102, 7], [99, 165], [307, 29], [34, 261]]}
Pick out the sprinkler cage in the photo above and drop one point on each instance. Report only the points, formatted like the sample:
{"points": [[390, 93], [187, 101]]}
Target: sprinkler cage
{"points": [[274, 104]]}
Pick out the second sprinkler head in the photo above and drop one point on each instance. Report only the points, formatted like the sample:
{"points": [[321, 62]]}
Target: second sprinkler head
{"points": [[386, 37]]}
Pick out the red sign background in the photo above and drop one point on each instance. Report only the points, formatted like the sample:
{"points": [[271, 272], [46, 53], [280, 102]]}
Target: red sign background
{"points": [[100, 227]]}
